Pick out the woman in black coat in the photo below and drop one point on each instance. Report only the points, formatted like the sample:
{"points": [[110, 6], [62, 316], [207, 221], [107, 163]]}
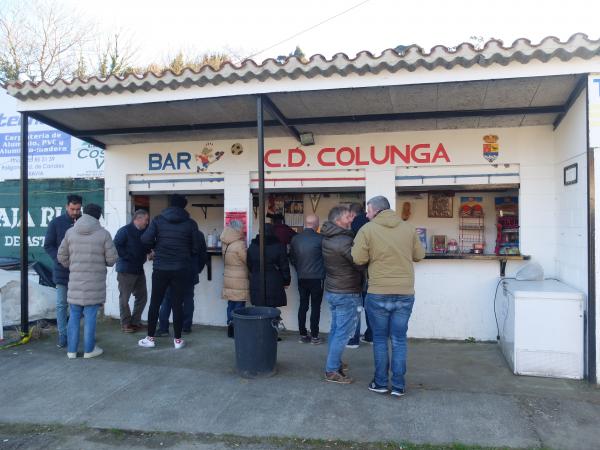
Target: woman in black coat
{"points": [[277, 270]]}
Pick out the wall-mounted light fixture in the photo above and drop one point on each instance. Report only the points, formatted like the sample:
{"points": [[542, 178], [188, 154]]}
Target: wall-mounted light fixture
{"points": [[307, 138]]}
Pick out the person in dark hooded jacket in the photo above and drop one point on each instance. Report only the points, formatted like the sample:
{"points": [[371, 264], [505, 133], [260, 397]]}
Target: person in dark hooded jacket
{"points": [[175, 239], [277, 270], [198, 263]]}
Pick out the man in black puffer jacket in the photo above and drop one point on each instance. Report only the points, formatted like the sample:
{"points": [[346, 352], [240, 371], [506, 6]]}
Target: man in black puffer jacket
{"points": [[343, 287], [175, 239]]}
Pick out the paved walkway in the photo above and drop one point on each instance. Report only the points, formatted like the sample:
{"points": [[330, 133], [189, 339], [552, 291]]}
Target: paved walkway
{"points": [[457, 392]]}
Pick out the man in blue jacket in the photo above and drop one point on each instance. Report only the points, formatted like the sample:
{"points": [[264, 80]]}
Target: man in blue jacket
{"points": [[60, 275], [130, 270], [175, 239]]}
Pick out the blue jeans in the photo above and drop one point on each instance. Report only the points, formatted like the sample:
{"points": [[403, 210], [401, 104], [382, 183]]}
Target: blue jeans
{"points": [[355, 340], [89, 327], [233, 306], [343, 323], [188, 309], [389, 315], [61, 314]]}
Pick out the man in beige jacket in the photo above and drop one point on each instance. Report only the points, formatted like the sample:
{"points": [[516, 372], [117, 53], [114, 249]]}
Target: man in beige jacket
{"points": [[389, 246], [86, 251]]}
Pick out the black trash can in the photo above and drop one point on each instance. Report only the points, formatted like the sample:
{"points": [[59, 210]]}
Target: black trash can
{"points": [[255, 332]]}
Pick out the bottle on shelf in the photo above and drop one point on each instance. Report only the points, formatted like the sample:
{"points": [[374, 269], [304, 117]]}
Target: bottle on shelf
{"points": [[215, 237], [210, 240]]}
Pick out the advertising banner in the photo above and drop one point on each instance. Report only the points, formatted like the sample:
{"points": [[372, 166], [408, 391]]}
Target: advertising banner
{"points": [[47, 199], [53, 154]]}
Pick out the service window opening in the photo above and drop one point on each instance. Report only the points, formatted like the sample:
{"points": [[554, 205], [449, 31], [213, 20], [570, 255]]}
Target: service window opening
{"points": [[453, 221]]}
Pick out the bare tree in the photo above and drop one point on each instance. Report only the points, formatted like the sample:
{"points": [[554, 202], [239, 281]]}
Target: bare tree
{"points": [[40, 39], [44, 40], [16, 50]]}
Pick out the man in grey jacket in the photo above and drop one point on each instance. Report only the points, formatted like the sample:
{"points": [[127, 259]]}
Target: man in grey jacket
{"points": [[306, 256], [86, 250]]}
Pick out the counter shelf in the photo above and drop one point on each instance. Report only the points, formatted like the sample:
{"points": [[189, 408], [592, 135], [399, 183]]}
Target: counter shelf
{"points": [[487, 257], [210, 252]]}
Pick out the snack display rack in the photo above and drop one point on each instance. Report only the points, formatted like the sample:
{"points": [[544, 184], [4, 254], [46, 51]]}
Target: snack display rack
{"points": [[471, 226]]}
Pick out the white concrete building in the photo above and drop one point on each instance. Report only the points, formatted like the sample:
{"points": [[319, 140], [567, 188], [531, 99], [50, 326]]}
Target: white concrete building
{"points": [[519, 121]]}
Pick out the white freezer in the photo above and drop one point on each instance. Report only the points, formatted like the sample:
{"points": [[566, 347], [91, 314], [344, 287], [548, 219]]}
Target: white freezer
{"points": [[541, 328]]}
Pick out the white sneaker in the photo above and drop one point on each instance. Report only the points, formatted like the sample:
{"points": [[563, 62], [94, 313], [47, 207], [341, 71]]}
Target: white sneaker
{"points": [[71, 355], [96, 352], [178, 343], [147, 342]]}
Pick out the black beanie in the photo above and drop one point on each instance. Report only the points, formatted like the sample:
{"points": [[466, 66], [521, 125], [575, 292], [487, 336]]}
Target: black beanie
{"points": [[91, 209], [178, 201]]}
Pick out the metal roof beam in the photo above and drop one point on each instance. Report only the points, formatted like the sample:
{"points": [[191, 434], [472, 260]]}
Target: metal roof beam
{"points": [[65, 129], [556, 109], [581, 84], [275, 112]]}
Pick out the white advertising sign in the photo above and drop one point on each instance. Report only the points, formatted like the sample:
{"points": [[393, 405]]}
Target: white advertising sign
{"points": [[594, 109], [52, 153]]}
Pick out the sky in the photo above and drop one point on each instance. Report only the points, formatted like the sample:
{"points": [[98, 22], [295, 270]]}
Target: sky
{"points": [[257, 28]]}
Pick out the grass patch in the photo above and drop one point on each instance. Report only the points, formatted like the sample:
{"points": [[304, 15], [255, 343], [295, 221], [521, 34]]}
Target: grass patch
{"points": [[154, 439]]}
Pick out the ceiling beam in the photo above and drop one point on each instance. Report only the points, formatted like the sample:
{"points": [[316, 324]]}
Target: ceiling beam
{"points": [[65, 129], [275, 112], [556, 109], [581, 84]]}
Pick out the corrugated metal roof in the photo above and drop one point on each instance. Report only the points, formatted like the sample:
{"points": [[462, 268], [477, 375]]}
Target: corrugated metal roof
{"points": [[409, 59]]}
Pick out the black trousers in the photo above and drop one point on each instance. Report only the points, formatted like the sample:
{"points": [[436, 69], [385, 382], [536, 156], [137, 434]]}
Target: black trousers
{"points": [[176, 280], [311, 292]]}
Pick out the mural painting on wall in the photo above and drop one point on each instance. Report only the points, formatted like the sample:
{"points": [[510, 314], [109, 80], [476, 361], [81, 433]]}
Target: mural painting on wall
{"points": [[207, 156], [491, 147]]}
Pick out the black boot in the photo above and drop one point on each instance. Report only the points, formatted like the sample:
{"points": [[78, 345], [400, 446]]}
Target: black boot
{"points": [[230, 330]]}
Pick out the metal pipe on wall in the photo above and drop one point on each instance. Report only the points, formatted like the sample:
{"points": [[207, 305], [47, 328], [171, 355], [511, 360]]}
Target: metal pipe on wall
{"points": [[24, 232], [592, 374], [261, 195]]}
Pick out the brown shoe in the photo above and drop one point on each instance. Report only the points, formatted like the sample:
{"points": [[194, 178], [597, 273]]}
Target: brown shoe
{"points": [[128, 329], [338, 377], [136, 328]]}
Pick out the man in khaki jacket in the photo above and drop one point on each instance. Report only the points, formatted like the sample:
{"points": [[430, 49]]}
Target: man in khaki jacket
{"points": [[389, 246]]}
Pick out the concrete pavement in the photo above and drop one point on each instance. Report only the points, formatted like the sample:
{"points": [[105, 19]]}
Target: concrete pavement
{"points": [[457, 392]]}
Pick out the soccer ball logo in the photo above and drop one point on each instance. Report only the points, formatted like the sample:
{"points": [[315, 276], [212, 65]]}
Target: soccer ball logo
{"points": [[237, 149]]}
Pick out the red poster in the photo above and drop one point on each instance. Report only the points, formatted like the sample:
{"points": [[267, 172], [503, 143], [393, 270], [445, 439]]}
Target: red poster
{"points": [[237, 215]]}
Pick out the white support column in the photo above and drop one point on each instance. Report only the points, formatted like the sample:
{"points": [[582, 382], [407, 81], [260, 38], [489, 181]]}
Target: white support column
{"points": [[116, 214], [381, 182], [237, 195]]}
